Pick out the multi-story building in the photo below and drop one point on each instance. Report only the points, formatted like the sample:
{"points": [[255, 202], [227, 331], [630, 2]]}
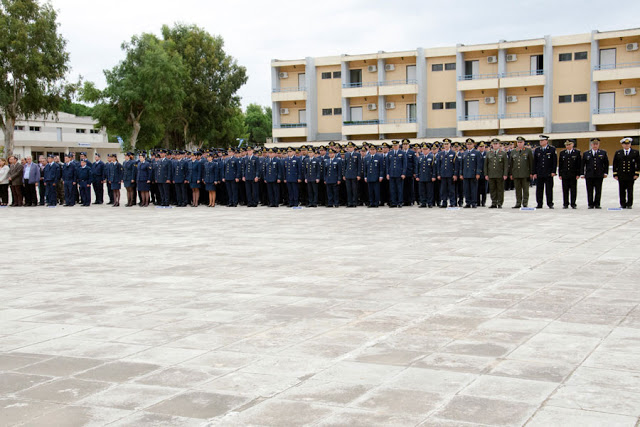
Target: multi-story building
{"points": [[60, 134], [578, 86]]}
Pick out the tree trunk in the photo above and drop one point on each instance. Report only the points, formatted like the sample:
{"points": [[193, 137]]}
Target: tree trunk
{"points": [[8, 130], [134, 134]]}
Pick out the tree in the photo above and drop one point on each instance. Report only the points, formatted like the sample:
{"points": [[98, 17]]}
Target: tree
{"points": [[210, 83], [33, 64], [76, 109], [258, 122], [142, 90]]}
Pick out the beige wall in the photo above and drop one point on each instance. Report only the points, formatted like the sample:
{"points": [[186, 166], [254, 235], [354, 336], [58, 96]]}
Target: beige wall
{"points": [[523, 94], [400, 72], [329, 95], [292, 80], [366, 75], [294, 107], [485, 109], [571, 78], [400, 112], [618, 86], [622, 56], [441, 87], [523, 63], [362, 102], [484, 66]]}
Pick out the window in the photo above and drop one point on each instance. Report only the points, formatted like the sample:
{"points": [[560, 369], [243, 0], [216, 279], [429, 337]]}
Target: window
{"points": [[337, 111], [94, 131], [355, 77], [471, 68], [537, 64], [326, 111], [580, 55], [411, 113], [436, 67], [81, 131], [450, 66], [18, 127], [34, 128], [437, 106], [411, 74], [337, 74], [580, 98], [326, 75], [564, 57], [564, 98], [450, 105]]}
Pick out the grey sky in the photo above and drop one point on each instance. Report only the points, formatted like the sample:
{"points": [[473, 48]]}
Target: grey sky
{"points": [[257, 31]]}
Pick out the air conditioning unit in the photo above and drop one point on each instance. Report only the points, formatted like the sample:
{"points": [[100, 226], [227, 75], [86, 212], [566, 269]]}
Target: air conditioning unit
{"points": [[390, 105], [389, 67], [630, 91], [284, 111], [512, 98], [492, 59], [489, 100], [283, 75], [512, 57], [632, 46], [371, 107], [372, 68]]}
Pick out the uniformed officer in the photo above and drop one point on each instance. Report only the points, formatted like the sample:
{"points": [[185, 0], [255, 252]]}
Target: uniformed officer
{"points": [[332, 174], [98, 173], [521, 171], [425, 173], [312, 168], [447, 170], [545, 165], [626, 169], [84, 177], [272, 174], [482, 183], [458, 185], [129, 180], [396, 168], [251, 177], [496, 169], [472, 167], [51, 178], [352, 174], [143, 179], [211, 176], [179, 167], [164, 177], [69, 181], [231, 177], [595, 168], [570, 168], [409, 182], [373, 175], [292, 176], [115, 175]]}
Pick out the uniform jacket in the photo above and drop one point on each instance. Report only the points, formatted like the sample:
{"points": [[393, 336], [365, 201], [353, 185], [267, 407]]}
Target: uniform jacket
{"points": [[396, 165], [447, 165], [179, 168], [194, 171], [164, 171], [251, 168], [211, 172], [292, 169], [272, 169], [570, 165], [626, 167], [352, 165], [496, 164], [374, 167], [69, 172], [425, 169], [333, 170], [312, 168], [84, 175], [97, 171], [52, 172], [115, 172], [231, 169], [471, 164], [595, 165], [130, 172], [145, 172], [545, 161], [521, 163]]}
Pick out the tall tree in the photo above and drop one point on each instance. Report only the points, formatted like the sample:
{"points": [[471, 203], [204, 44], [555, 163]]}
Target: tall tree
{"points": [[258, 121], [142, 90], [210, 83], [33, 64]]}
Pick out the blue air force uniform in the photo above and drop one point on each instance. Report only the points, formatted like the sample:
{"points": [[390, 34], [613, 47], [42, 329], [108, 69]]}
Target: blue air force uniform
{"points": [[425, 171], [251, 176], [231, 172], [409, 186], [272, 172], [472, 165], [180, 170], [98, 176], [130, 173], [51, 178], [374, 172], [194, 173], [447, 167], [292, 173], [69, 179], [211, 175], [396, 168], [352, 171], [312, 170], [163, 178], [85, 177], [144, 176], [333, 173]]}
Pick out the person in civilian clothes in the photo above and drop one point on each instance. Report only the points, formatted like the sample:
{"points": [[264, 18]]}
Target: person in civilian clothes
{"points": [[332, 175], [4, 182], [425, 171], [595, 168], [84, 182], [69, 180], [545, 165], [570, 169], [42, 162], [143, 179], [626, 169]]}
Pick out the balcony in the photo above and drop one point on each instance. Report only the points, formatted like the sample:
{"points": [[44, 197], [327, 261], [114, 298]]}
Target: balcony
{"points": [[629, 70], [289, 94], [359, 89], [522, 79], [398, 87], [399, 126], [478, 122], [613, 116], [478, 81], [522, 120], [289, 130], [360, 127]]}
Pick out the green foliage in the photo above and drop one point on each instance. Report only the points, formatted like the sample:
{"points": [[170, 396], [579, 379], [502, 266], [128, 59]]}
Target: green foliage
{"points": [[76, 109], [258, 122], [33, 63]]}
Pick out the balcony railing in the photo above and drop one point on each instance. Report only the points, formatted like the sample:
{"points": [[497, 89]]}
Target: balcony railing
{"points": [[479, 117], [392, 121], [521, 115], [398, 82], [290, 89], [292, 125], [523, 73], [478, 76], [360, 122], [616, 110], [359, 84], [615, 66]]}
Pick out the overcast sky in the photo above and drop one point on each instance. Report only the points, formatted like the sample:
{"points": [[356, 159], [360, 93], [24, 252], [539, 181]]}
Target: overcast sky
{"points": [[257, 31]]}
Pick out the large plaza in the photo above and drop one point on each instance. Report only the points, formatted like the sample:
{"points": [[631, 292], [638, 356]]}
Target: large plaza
{"points": [[285, 317]]}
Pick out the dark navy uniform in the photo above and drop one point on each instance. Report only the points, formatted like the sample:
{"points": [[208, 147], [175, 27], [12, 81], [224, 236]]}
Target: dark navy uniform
{"points": [[211, 175], [312, 167], [163, 177], [84, 177], [626, 169], [447, 168], [333, 173], [409, 182], [595, 167], [374, 172], [115, 175], [194, 173], [97, 173], [272, 173], [482, 182], [545, 165], [472, 166], [396, 168], [129, 173], [232, 172], [145, 174], [425, 171], [51, 178], [179, 169], [69, 181], [352, 173], [570, 169], [292, 174], [251, 177]]}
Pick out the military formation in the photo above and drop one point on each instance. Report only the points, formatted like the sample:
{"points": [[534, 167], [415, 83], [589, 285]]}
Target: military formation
{"points": [[441, 174]]}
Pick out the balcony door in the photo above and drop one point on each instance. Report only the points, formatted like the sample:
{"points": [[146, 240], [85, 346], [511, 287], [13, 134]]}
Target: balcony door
{"points": [[302, 82], [472, 109], [356, 114], [608, 58], [607, 102], [355, 78], [411, 113], [536, 106], [302, 116], [536, 64], [411, 73], [471, 68]]}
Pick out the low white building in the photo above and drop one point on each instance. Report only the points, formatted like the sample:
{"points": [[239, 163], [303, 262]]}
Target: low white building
{"points": [[60, 134]]}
